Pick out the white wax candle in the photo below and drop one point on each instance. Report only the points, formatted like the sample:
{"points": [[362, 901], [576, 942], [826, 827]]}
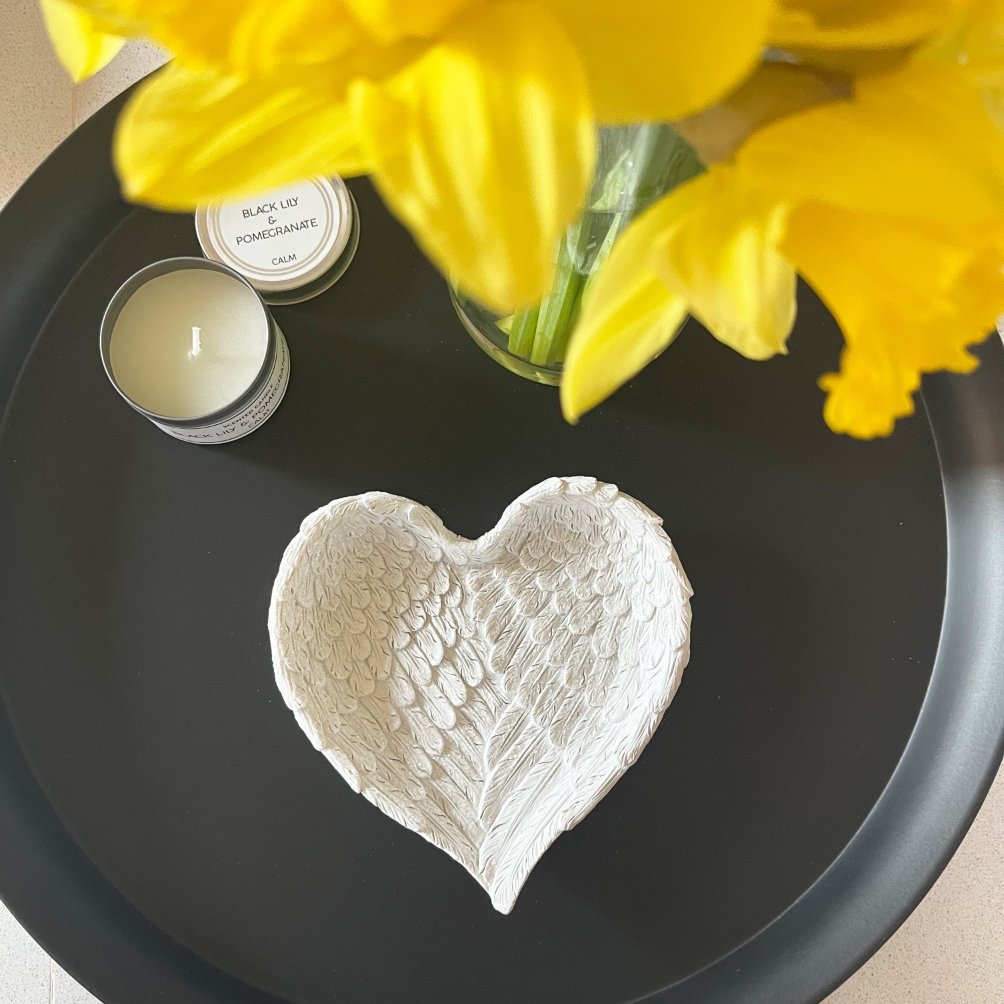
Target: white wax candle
{"points": [[188, 343]]}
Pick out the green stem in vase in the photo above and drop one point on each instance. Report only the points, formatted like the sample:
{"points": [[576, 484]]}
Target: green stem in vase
{"points": [[637, 165], [557, 311], [523, 330]]}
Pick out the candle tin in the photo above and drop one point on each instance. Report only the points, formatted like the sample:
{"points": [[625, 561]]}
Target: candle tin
{"points": [[290, 244], [251, 409]]}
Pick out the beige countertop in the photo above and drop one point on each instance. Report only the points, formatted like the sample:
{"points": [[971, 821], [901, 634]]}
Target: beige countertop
{"points": [[950, 951]]}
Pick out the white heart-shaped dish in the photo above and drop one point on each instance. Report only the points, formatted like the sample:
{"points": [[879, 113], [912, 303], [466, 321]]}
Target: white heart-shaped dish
{"points": [[485, 693]]}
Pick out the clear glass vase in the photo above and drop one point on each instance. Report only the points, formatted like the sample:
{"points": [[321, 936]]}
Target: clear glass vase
{"points": [[635, 166]]}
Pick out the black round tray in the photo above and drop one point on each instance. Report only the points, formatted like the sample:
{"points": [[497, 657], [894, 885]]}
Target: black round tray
{"points": [[167, 832]]}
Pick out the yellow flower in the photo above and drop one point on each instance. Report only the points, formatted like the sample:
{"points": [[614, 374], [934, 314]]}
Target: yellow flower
{"points": [[81, 41], [706, 249], [840, 24], [476, 118], [909, 298], [890, 202], [866, 159], [892, 252]]}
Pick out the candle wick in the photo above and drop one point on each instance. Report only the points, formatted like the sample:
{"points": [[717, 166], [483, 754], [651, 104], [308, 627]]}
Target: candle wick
{"points": [[196, 341]]}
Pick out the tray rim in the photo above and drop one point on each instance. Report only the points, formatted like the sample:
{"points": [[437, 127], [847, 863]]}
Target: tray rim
{"points": [[891, 862]]}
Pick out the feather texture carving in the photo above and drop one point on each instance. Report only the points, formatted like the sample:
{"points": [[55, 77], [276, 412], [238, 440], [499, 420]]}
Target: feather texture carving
{"points": [[485, 693]]}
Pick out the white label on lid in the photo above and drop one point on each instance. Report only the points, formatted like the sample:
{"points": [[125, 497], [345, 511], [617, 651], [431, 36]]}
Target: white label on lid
{"points": [[279, 236]]}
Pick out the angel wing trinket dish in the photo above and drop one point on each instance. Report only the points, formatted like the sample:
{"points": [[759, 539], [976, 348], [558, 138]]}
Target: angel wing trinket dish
{"points": [[485, 693]]}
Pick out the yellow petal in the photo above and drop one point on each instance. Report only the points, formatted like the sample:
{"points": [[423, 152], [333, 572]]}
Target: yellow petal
{"points": [[974, 41], [916, 143], [484, 147], [975, 45], [255, 37], [868, 395], [81, 44], [858, 24], [187, 137], [719, 252], [244, 37], [909, 299], [390, 20], [773, 91], [628, 317], [650, 60], [123, 18]]}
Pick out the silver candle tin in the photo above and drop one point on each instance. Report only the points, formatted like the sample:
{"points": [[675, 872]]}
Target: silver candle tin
{"points": [[248, 411]]}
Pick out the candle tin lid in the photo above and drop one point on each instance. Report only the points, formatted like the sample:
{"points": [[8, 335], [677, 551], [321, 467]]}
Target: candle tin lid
{"points": [[290, 244]]}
